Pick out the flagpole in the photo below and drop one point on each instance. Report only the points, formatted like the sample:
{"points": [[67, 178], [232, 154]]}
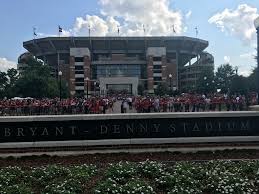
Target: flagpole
{"points": [[60, 30], [34, 33], [89, 31], [173, 30], [90, 42], [196, 31]]}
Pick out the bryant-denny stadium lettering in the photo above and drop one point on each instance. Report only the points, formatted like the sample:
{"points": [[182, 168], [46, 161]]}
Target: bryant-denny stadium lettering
{"points": [[124, 129]]}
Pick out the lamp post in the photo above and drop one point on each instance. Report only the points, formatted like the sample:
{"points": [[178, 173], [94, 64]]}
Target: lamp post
{"points": [[87, 79], [206, 85], [170, 77], [94, 88], [256, 23], [59, 75]]}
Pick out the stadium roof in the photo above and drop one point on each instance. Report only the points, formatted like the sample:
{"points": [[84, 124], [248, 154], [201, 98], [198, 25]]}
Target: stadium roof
{"points": [[187, 47]]}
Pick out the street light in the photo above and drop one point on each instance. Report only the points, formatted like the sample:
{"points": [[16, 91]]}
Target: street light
{"points": [[170, 77], [256, 23], [59, 75], [87, 79], [94, 88]]}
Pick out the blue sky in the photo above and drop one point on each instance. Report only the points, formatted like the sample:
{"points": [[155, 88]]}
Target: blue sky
{"points": [[230, 32]]}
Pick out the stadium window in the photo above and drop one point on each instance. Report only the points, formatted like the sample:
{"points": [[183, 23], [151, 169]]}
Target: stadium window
{"points": [[157, 58], [157, 71], [79, 59], [157, 66], [157, 78], [79, 72], [79, 84], [79, 67], [79, 80]]}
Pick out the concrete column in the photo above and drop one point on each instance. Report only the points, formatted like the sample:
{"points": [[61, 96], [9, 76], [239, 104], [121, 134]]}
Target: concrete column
{"points": [[177, 72], [72, 75]]}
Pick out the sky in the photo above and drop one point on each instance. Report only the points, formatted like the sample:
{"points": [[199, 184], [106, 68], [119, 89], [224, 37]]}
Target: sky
{"points": [[228, 25]]}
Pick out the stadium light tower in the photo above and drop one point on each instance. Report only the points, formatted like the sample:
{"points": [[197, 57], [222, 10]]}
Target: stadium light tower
{"points": [[256, 23]]}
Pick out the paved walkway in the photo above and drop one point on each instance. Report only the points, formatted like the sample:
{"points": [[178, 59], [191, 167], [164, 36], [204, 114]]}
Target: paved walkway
{"points": [[117, 108]]}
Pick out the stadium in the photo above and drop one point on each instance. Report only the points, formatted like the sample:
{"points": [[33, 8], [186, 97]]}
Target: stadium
{"points": [[93, 65]]}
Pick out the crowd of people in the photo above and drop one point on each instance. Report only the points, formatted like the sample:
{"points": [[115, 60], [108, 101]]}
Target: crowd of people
{"points": [[194, 103], [55, 106], [139, 104]]}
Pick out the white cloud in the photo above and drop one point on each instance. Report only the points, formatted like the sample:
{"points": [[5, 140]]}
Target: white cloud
{"points": [[64, 33], [156, 16], [98, 25], [5, 64], [244, 71], [238, 22], [250, 55], [188, 14], [227, 59]]}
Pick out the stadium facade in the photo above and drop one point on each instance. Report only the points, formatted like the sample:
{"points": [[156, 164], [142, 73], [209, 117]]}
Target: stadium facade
{"points": [[103, 64]]}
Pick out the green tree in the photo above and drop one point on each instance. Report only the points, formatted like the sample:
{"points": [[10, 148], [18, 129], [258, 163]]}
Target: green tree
{"points": [[3, 83], [252, 80], [12, 75], [239, 85], [206, 81], [162, 89], [224, 76], [36, 81]]}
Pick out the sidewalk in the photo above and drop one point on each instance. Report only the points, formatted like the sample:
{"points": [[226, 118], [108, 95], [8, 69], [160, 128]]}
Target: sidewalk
{"points": [[117, 108]]}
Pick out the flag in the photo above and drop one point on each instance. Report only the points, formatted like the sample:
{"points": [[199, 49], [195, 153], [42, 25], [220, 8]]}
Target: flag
{"points": [[196, 29], [34, 31], [174, 29], [60, 29], [118, 30]]}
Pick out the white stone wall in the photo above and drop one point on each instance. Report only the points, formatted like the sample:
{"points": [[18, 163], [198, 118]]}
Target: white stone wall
{"points": [[156, 51], [79, 52]]}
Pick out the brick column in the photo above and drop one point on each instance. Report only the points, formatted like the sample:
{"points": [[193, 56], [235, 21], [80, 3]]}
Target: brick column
{"points": [[150, 77], [72, 76], [163, 68], [87, 74]]}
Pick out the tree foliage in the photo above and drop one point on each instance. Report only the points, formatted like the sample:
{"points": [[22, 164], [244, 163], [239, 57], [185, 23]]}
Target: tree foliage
{"points": [[206, 81], [35, 81], [162, 89], [3, 83], [7, 81], [252, 80], [224, 76], [239, 85]]}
